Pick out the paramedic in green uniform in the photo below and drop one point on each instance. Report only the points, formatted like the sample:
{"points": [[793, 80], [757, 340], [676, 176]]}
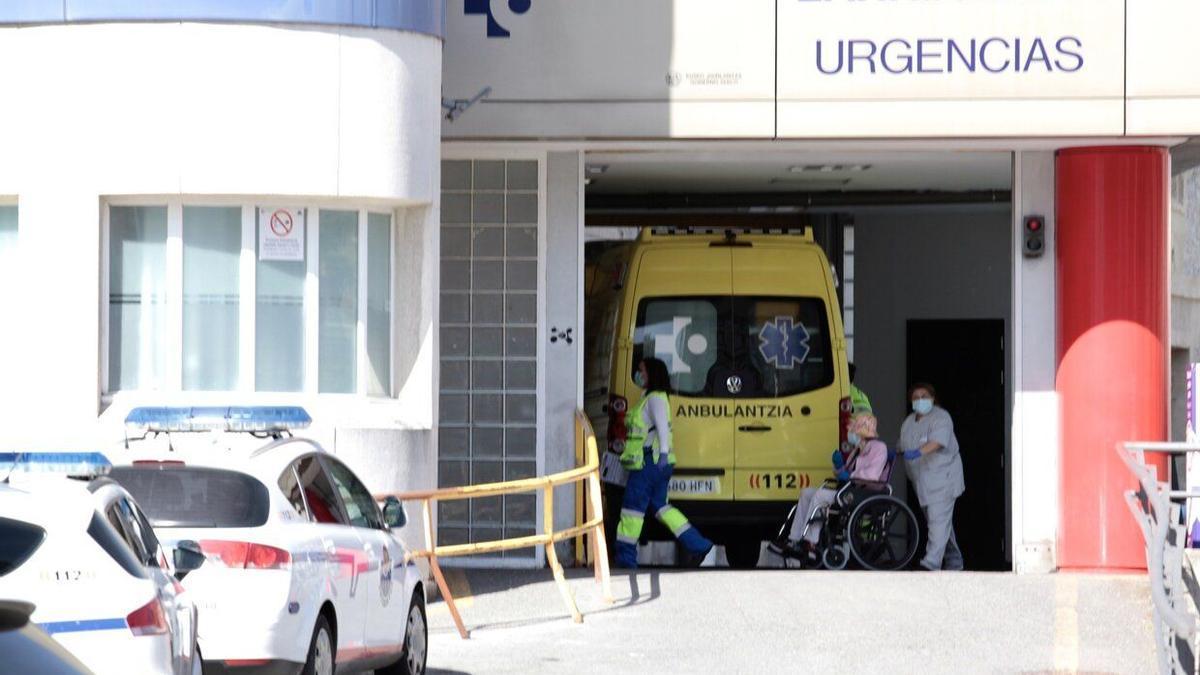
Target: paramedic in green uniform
{"points": [[650, 461], [858, 399]]}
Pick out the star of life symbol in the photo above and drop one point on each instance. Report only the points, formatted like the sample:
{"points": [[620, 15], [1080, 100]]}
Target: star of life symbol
{"points": [[783, 343]]}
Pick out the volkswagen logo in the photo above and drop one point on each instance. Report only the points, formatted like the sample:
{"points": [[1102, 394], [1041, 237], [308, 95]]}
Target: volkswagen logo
{"points": [[734, 384]]}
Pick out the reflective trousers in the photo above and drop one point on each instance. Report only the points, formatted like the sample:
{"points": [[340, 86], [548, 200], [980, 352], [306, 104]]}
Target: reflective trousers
{"points": [[646, 491]]}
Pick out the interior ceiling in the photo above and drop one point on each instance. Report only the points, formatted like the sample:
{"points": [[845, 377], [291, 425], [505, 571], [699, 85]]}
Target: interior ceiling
{"points": [[728, 172]]}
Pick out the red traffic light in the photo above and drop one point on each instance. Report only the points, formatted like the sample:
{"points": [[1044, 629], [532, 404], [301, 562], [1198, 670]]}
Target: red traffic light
{"points": [[1033, 224]]}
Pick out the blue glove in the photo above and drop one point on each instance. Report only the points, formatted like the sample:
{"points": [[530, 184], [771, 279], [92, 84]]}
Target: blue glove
{"points": [[839, 460], [663, 460], [843, 475], [912, 454]]}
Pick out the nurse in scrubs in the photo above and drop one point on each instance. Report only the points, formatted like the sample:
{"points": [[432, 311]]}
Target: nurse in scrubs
{"points": [[935, 469]]}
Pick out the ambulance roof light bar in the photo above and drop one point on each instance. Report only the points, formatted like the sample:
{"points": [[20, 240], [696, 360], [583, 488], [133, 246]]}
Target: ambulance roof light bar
{"points": [[675, 231], [86, 465], [269, 420]]}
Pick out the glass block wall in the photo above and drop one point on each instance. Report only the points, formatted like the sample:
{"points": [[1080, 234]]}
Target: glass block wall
{"points": [[488, 336]]}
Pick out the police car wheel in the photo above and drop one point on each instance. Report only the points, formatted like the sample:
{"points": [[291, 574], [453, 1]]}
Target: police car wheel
{"points": [[321, 651], [416, 640]]}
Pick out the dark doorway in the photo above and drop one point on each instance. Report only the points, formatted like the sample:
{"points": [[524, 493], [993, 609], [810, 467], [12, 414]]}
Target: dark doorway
{"points": [[964, 361]]}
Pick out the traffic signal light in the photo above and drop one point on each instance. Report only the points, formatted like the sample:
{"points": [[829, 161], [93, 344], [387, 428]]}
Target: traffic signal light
{"points": [[1035, 236]]}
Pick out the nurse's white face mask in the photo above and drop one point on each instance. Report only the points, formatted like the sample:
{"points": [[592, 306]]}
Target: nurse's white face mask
{"points": [[922, 406]]}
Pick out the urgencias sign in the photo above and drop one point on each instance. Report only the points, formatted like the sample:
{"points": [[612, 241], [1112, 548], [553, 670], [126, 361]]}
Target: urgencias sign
{"points": [[901, 56]]}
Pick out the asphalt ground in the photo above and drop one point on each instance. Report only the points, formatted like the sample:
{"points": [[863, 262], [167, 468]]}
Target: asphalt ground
{"points": [[776, 620]]}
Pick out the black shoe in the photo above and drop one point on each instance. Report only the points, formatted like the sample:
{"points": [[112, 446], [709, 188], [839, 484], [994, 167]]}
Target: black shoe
{"points": [[779, 546], [808, 555]]}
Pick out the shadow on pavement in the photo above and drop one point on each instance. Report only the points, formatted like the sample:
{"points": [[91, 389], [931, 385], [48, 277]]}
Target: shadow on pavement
{"points": [[483, 582], [477, 583]]}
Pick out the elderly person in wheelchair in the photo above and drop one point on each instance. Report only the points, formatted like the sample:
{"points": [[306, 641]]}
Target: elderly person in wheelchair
{"points": [[854, 515]]}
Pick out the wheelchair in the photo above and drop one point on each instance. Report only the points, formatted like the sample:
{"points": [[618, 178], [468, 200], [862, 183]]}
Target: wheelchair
{"points": [[865, 522]]}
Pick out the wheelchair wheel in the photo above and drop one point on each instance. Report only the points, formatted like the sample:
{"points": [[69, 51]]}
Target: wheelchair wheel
{"points": [[882, 533], [835, 557]]}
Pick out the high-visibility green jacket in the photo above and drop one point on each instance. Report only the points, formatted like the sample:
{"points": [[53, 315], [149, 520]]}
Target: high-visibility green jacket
{"points": [[859, 400], [640, 435]]}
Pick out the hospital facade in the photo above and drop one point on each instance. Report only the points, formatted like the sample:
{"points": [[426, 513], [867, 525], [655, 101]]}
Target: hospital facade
{"points": [[382, 210]]}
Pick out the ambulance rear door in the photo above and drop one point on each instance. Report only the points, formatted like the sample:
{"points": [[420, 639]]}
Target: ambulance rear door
{"points": [[785, 347], [681, 315]]}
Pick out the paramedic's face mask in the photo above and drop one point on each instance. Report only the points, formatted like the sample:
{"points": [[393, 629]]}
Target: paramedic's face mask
{"points": [[853, 438], [639, 378]]}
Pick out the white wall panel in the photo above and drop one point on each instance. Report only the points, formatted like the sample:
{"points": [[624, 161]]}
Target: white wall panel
{"points": [[644, 68], [950, 68], [1163, 81]]}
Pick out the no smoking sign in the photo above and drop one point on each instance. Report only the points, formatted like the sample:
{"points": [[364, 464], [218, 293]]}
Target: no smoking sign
{"points": [[281, 234]]}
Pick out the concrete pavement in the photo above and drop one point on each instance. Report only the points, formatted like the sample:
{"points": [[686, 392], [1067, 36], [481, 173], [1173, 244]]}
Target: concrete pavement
{"points": [[687, 621]]}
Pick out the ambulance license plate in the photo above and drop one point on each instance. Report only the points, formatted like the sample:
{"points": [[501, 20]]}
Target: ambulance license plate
{"points": [[695, 486]]}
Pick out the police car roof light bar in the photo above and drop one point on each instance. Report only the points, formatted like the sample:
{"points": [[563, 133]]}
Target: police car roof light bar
{"points": [[72, 464], [253, 419]]}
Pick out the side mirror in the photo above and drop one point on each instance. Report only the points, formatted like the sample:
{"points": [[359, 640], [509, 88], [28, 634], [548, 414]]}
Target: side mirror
{"points": [[187, 557], [393, 513]]}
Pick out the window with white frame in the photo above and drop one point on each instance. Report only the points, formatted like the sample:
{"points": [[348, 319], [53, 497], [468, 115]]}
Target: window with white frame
{"points": [[241, 297]]}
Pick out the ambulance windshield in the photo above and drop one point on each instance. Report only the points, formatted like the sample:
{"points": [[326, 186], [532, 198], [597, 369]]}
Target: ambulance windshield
{"points": [[737, 346]]}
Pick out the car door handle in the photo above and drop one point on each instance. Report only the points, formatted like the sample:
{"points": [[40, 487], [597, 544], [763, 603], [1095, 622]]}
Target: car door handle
{"points": [[754, 428]]}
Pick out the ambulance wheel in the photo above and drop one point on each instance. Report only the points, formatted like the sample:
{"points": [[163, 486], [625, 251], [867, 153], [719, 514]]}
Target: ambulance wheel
{"points": [[742, 554]]}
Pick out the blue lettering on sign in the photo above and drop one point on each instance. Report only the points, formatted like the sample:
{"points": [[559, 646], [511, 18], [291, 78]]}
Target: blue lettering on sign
{"points": [[948, 55], [783, 342], [484, 7]]}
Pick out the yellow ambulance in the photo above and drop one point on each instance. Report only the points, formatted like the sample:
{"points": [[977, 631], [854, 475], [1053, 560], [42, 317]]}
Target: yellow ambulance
{"points": [[750, 328]]}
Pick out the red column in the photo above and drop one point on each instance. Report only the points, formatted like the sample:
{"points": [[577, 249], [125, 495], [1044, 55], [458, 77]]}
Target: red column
{"points": [[1112, 341]]}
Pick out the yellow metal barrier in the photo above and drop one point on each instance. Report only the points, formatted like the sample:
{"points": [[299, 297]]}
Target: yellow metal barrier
{"points": [[589, 473]]}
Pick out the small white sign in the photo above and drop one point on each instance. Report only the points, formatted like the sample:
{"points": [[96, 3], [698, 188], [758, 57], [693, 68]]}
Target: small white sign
{"points": [[611, 470], [281, 234]]}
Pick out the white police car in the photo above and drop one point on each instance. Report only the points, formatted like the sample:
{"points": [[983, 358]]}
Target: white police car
{"points": [[85, 555], [302, 570]]}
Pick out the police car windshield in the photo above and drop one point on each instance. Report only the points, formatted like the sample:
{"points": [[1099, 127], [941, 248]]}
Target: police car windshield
{"points": [[773, 346], [186, 496]]}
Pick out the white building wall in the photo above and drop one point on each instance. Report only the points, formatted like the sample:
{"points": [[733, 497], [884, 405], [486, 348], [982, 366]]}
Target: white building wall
{"points": [[338, 116], [1035, 432], [564, 298]]}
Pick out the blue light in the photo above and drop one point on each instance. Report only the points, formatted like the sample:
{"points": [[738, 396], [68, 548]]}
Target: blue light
{"points": [[68, 463], [235, 418]]}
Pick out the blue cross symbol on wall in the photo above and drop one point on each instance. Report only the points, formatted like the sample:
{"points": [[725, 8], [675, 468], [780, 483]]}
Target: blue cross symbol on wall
{"points": [[494, 29], [783, 342]]}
